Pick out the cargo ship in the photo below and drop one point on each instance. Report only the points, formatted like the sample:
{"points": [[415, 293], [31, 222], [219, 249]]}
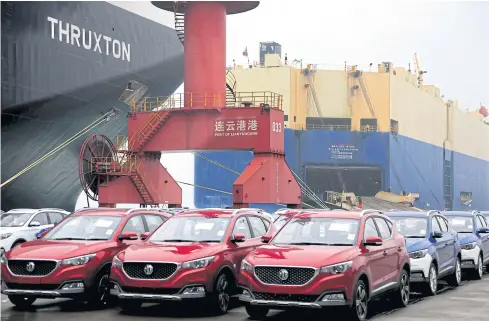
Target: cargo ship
{"points": [[67, 66], [363, 132]]}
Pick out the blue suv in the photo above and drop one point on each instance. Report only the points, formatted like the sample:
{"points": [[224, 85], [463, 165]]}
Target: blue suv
{"points": [[434, 249], [473, 233]]}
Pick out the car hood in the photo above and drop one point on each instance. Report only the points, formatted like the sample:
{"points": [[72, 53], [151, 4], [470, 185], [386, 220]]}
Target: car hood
{"points": [[417, 244], [170, 252], [301, 255], [56, 250], [465, 238]]}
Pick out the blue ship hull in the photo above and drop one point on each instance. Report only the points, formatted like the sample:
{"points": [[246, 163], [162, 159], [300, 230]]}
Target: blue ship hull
{"points": [[362, 163]]}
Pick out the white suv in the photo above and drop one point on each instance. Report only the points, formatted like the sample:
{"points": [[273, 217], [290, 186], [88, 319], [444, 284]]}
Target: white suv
{"points": [[21, 225]]}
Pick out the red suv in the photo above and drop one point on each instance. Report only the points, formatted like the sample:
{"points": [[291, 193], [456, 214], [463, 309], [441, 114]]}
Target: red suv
{"points": [[195, 254], [327, 258], [73, 259]]}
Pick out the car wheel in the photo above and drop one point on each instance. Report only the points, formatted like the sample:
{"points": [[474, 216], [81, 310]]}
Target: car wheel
{"points": [[456, 277], [431, 288], [256, 313], [21, 301], [99, 295], [129, 306], [479, 269], [401, 296], [221, 296], [359, 308]]}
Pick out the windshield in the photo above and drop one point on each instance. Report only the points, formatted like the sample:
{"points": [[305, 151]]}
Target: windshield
{"points": [[15, 219], [191, 229], [281, 222], [320, 231], [461, 224], [87, 227], [414, 227]]}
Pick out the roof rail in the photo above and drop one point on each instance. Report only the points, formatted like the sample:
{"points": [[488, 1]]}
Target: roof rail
{"points": [[475, 212], [53, 208], [22, 209], [364, 212], [236, 211], [155, 209], [83, 209], [432, 211]]}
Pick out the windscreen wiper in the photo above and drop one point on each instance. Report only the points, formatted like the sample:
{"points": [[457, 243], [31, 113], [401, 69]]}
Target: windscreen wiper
{"points": [[307, 243], [175, 240], [414, 236], [339, 244], [69, 239], [209, 241], [96, 239]]}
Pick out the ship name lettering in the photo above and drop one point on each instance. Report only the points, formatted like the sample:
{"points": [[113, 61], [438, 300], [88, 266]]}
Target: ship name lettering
{"points": [[76, 36]]}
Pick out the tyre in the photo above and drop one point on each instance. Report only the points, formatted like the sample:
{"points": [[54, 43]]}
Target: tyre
{"points": [[478, 272], [431, 287], [400, 298], [99, 294], [129, 306], [256, 313], [359, 309], [222, 294], [21, 301], [455, 278]]}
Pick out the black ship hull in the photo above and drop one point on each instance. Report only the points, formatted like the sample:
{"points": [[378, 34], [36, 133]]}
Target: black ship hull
{"points": [[64, 65]]}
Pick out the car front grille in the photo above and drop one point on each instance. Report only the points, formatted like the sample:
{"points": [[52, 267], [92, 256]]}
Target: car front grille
{"points": [[149, 270], [31, 267], [285, 297], [291, 276]]}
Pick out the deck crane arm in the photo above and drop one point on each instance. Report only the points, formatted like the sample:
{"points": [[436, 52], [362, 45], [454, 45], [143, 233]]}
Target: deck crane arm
{"points": [[419, 71]]}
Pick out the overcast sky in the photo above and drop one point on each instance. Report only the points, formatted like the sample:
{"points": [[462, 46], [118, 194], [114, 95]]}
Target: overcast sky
{"points": [[449, 37]]}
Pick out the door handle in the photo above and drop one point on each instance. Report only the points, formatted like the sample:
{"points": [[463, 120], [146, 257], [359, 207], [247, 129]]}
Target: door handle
{"points": [[385, 253], [399, 249]]}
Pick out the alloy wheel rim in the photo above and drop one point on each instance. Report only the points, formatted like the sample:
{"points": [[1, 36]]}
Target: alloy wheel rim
{"points": [[404, 289], [361, 302], [479, 267], [223, 296], [433, 280], [458, 272], [102, 287]]}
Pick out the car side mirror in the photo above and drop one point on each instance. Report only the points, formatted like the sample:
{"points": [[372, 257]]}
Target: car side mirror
{"points": [[373, 241], [483, 230], [144, 235], [266, 238], [238, 237], [34, 224], [437, 235], [127, 236]]}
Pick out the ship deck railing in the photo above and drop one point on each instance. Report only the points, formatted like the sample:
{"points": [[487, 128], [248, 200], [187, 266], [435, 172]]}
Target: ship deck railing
{"points": [[255, 99]]}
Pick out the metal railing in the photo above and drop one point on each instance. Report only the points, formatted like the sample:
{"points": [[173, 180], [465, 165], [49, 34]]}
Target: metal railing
{"points": [[217, 100], [329, 127]]}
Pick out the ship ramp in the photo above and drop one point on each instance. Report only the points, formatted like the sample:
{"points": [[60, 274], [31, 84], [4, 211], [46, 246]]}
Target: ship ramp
{"points": [[382, 201]]}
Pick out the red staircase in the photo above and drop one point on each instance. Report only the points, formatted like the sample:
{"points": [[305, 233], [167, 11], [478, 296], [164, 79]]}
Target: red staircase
{"points": [[141, 187], [154, 124]]}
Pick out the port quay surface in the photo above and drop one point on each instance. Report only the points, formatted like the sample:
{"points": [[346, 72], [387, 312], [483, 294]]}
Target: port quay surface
{"points": [[468, 302]]}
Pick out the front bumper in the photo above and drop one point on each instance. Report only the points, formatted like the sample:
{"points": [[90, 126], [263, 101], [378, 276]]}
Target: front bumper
{"points": [[470, 258], [283, 303], [420, 268], [144, 294], [59, 292]]}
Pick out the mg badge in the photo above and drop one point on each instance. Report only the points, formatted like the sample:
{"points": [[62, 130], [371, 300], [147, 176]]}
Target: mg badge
{"points": [[283, 274], [148, 269], [30, 267]]}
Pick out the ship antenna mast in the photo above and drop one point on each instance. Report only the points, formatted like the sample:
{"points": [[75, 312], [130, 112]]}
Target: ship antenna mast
{"points": [[419, 71]]}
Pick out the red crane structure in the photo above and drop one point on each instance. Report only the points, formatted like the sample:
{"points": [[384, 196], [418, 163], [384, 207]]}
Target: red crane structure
{"points": [[207, 116]]}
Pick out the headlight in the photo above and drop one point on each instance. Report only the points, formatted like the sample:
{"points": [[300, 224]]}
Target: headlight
{"points": [[468, 246], [3, 259], [336, 268], [79, 260], [418, 254], [245, 266], [116, 263], [5, 236], [198, 264]]}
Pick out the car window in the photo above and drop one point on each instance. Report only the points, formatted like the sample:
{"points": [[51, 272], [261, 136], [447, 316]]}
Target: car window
{"points": [[42, 218], [384, 229], [192, 229], [134, 224], [257, 225], [462, 224], [370, 229], [281, 221], [153, 221], [412, 227], [443, 224], [242, 227], [434, 225], [267, 223], [85, 227], [14, 219], [55, 218]]}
